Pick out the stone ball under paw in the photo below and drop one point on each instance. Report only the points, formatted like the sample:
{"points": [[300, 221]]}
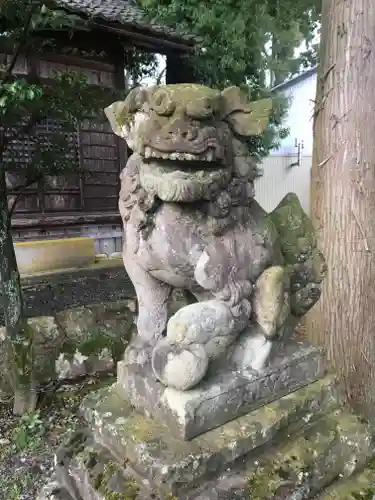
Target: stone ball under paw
{"points": [[177, 366], [201, 323]]}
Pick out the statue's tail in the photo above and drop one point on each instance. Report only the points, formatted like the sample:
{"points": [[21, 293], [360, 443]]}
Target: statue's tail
{"points": [[304, 262]]}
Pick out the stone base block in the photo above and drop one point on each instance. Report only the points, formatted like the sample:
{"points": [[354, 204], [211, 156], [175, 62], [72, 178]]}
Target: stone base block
{"points": [[291, 448], [170, 465], [294, 447], [361, 486], [225, 394]]}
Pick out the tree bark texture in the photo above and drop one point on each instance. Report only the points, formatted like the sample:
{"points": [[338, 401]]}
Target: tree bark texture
{"points": [[343, 194], [19, 336]]}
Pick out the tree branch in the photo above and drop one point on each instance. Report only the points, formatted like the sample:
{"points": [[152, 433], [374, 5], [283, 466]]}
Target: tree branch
{"points": [[160, 76], [20, 187]]}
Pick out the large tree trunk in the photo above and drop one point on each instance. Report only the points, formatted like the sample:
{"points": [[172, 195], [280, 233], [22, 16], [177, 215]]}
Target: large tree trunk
{"points": [[343, 194], [18, 334]]}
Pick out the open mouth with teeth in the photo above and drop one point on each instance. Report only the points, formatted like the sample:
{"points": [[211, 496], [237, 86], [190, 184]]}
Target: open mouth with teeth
{"points": [[182, 177], [208, 155]]}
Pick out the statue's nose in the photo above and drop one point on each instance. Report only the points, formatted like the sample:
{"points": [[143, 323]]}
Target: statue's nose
{"points": [[178, 129], [190, 134]]}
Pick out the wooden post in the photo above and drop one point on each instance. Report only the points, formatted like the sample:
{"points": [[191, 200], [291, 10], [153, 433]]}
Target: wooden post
{"points": [[179, 69], [120, 84], [33, 61]]}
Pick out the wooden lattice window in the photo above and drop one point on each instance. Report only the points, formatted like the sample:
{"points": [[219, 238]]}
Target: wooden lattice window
{"points": [[100, 161], [94, 149], [52, 193]]}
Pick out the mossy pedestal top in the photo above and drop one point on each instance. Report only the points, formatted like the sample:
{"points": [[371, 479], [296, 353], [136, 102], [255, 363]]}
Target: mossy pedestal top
{"points": [[225, 394]]}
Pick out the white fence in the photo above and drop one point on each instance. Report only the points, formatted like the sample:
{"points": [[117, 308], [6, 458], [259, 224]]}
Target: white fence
{"points": [[280, 178]]}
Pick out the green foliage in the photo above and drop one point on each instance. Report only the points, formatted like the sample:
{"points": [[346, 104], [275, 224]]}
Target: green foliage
{"points": [[34, 16], [29, 432], [233, 35], [13, 487], [139, 65], [275, 132]]}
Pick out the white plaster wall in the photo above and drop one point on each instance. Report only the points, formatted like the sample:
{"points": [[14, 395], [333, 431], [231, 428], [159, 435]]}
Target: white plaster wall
{"points": [[300, 117], [279, 179], [279, 176]]}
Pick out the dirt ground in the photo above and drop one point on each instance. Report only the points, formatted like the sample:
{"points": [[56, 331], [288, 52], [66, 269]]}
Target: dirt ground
{"points": [[28, 443]]}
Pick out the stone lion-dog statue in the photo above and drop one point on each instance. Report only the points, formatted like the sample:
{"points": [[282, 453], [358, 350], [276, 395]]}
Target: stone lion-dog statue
{"points": [[191, 222]]}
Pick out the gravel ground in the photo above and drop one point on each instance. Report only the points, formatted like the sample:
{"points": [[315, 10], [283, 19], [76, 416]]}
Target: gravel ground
{"points": [[44, 296], [27, 444], [50, 296]]}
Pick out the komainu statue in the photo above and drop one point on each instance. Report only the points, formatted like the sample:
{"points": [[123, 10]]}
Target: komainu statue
{"points": [[191, 222]]}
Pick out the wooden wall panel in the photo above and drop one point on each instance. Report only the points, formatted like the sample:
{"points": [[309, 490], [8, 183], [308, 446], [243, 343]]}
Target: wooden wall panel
{"points": [[93, 150]]}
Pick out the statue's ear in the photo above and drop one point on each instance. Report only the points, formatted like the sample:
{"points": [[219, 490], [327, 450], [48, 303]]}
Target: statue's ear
{"points": [[120, 112], [113, 113], [245, 117]]}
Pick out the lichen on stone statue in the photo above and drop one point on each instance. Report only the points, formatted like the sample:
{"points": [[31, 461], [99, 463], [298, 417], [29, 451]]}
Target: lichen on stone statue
{"points": [[191, 222]]}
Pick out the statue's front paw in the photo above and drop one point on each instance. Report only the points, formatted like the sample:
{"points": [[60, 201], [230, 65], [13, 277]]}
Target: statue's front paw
{"points": [[252, 350], [179, 366], [138, 352], [271, 301]]}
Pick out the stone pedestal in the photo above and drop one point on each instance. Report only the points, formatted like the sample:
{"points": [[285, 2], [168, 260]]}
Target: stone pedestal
{"points": [[170, 464], [282, 434], [225, 394]]}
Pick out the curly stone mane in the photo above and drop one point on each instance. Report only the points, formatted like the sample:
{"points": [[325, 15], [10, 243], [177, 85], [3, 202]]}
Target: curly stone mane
{"points": [[227, 206], [132, 193]]}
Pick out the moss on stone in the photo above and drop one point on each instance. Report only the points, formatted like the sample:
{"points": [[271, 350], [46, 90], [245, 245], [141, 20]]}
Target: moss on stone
{"points": [[90, 330], [22, 352], [270, 229], [359, 487], [105, 475], [262, 486], [78, 342], [294, 227], [129, 487], [121, 114], [96, 342], [366, 494], [335, 446]]}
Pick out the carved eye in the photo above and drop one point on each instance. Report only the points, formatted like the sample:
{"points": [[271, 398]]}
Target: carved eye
{"points": [[201, 108], [162, 103]]}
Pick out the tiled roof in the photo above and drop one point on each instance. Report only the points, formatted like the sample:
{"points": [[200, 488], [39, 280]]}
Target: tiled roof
{"points": [[125, 12], [295, 79]]}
